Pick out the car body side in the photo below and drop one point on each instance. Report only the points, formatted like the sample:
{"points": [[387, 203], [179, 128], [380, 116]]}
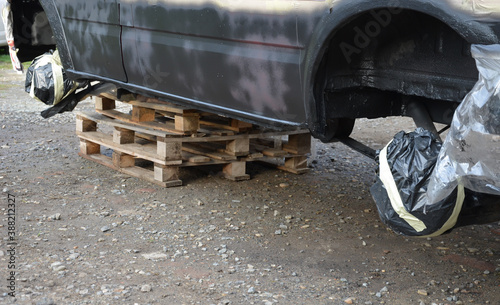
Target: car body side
{"points": [[280, 63]]}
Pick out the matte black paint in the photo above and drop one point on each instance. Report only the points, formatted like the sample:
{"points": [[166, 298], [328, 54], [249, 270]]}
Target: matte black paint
{"points": [[255, 66], [246, 63], [94, 31]]}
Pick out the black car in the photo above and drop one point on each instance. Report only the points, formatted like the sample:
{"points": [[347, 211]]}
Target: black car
{"points": [[316, 64]]}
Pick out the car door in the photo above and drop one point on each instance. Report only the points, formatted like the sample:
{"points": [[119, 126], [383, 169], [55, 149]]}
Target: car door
{"points": [[238, 56], [92, 29]]}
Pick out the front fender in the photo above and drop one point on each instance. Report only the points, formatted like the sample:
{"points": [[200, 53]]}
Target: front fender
{"points": [[57, 27]]}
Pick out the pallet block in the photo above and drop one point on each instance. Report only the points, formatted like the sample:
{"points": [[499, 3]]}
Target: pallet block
{"points": [[123, 136], [189, 122], [168, 150], [123, 160], [83, 125], [236, 171], [89, 148], [104, 103], [238, 147], [295, 165], [141, 114], [241, 125], [171, 137], [167, 174], [298, 144]]}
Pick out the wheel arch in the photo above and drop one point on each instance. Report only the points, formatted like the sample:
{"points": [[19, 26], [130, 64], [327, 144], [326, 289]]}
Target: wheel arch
{"points": [[344, 13], [35, 33], [57, 28]]}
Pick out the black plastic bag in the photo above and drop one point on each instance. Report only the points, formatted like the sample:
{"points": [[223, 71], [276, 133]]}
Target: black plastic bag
{"points": [[41, 79], [46, 80], [400, 191], [69, 102]]}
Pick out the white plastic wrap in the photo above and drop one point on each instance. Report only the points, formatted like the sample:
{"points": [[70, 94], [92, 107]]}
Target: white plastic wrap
{"points": [[470, 155], [8, 22]]}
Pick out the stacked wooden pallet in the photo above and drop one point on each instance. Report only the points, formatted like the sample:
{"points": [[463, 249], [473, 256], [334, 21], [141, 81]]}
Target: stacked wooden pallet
{"points": [[169, 137]]}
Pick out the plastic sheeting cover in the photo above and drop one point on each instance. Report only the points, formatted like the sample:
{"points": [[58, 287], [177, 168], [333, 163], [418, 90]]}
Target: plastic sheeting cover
{"points": [[46, 80], [400, 191], [8, 22], [470, 155]]}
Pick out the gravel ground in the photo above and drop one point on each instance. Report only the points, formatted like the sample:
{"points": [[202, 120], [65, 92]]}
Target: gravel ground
{"points": [[88, 235]]}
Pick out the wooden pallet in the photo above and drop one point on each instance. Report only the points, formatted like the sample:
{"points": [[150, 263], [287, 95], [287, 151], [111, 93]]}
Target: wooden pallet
{"points": [[171, 137]]}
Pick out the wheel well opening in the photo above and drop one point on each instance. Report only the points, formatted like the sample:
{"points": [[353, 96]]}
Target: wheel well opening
{"points": [[33, 35], [379, 59]]}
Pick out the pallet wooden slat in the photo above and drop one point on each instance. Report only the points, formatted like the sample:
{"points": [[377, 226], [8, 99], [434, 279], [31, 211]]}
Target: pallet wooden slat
{"points": [[219, 126], [161, 106], [274, 152], [196, 159], [127, 118], [100, 118], [147, 151], [199, 150], [135, 171]]}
